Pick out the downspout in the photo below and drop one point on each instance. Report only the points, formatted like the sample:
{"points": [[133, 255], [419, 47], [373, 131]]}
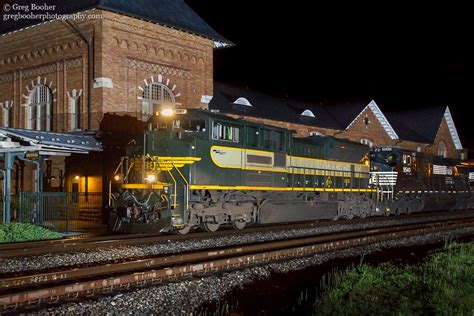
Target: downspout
{"points": [[38, 173], [90, 69]]}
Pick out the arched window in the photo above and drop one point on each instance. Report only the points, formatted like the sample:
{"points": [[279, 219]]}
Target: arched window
{"points": [[442, 149], [154, 96], [367, 142], [40, 110]]}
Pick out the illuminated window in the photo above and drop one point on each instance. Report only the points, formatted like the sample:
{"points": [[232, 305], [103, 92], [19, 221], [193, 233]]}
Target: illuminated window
{"points": [[225, 132], [154, 95], [40, 109], [442, 149]]}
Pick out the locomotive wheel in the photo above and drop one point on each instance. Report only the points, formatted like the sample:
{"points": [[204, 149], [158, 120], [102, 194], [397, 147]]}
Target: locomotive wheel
{"points": [[184, 230], [210, 227], [238, 224]]}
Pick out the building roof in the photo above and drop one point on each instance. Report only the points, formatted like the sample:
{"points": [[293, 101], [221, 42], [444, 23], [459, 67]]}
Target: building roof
{"points": [[422, 125], [257, 104], [172, 13], [419, 125], [57, 142]]}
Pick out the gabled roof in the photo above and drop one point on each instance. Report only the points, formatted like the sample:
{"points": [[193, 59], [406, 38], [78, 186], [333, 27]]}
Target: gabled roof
{"points": [[58, 142], [346, 113], [282, 109], [422, 125], [380, 117], [419, 125], [172, 13]]}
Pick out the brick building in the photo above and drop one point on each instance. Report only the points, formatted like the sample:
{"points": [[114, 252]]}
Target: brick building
{"points": [[115, 66], [429, 130], [121, 58]]}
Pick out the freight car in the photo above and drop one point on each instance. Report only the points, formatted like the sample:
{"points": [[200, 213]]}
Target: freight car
{"points": [[194, 168]]}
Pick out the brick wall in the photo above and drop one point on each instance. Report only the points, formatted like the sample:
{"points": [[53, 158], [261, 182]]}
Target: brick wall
{"points": [[367, 126], [126, 50], [136, 53], [50, 54]]}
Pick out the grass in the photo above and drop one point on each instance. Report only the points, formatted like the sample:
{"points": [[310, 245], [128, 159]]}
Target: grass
{"points": [[17, 232], [443, 285]]}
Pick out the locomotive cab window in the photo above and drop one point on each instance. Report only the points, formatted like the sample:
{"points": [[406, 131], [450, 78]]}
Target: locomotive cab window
{"points": [[225, 132]]}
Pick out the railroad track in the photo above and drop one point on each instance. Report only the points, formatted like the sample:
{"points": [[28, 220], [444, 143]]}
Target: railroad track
{"points": [[78, 244], [23, 291]]}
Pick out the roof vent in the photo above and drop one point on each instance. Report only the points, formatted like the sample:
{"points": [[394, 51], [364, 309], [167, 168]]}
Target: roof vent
{"points": [[308, 113], [243, 101]]}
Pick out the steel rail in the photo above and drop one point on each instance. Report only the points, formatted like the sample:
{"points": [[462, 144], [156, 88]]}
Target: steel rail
{"points": [[171, 267], [78, 244]]}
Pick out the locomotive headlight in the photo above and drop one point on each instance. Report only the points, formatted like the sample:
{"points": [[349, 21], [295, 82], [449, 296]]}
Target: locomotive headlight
{"points": [[167, 112], [151, 178]]}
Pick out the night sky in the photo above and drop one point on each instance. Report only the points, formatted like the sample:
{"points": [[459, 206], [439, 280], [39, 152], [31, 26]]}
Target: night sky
{"points": [[403, 57]]}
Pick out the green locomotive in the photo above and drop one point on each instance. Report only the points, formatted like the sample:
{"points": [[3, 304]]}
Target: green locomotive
{"points": [[195, 168]]}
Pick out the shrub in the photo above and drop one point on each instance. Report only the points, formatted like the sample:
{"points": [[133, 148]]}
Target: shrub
{"points": [[18, 232]]}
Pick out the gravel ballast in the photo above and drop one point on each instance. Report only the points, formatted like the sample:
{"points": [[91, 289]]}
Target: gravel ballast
{"points": [[183, 298], [108, 254]]}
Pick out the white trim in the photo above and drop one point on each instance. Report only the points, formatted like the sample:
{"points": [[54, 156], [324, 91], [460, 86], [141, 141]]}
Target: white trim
{"points": [[219, 44], [206, 99], [380, 117], [452, 129], [308, 113], [74, 108], [103, 82], [6, 109], [243, 101]]}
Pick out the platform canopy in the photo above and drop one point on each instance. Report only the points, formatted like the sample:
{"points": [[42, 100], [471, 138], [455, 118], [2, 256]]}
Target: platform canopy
{"points": [[35, 146], [47, 143]]}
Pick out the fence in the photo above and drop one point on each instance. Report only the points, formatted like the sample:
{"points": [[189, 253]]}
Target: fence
{"points": [[13, 206], [62, 211]]}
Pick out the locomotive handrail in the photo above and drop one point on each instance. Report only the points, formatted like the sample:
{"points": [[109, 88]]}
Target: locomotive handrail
{"points": [[125, 177], [186, 184], [119, 165], [172, 177], [327, 173], [385, 182]]}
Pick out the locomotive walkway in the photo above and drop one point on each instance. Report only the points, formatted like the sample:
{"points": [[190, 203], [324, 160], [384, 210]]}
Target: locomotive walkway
{"points": [[21, 291]]}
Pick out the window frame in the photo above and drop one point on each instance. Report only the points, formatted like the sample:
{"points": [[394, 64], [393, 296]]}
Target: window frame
{"points": [[156, 93], [225, 132], [40, 108]]}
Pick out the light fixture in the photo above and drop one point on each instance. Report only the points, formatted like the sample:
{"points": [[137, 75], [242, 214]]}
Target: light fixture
{"points": [[151, 178], [76, 177], [117, 177], [167, 112]]}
